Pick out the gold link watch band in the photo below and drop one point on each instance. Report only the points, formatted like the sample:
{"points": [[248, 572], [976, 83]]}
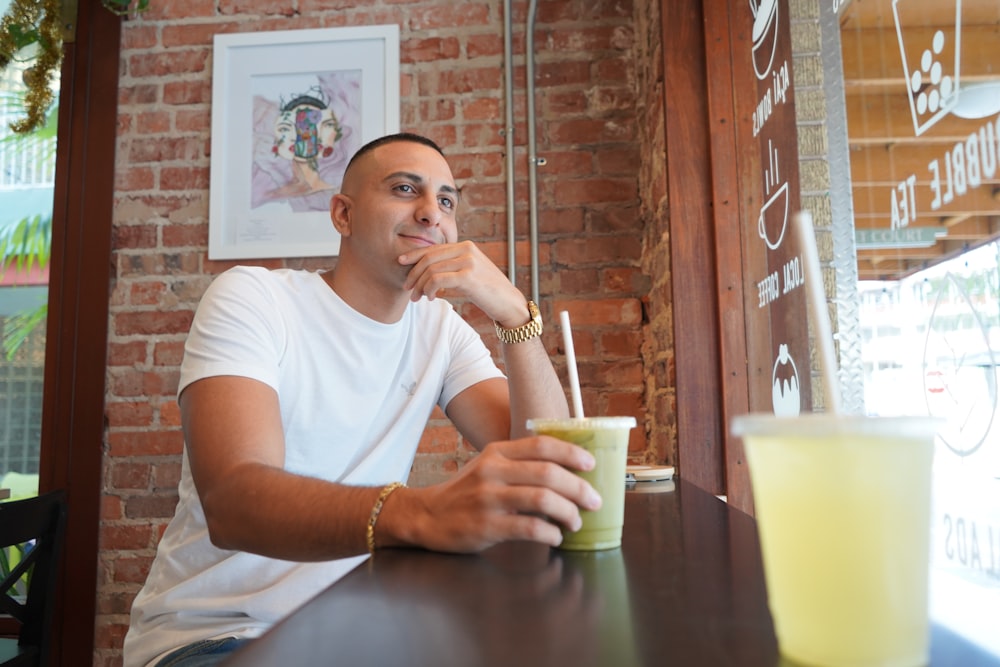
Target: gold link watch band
{"points": [[532, 329]]}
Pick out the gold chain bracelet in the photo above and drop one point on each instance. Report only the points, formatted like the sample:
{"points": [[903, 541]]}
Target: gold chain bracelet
{"points": [[376, 510]]}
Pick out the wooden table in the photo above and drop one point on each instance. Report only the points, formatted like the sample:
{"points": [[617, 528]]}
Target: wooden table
{"points": [[685, 589]]}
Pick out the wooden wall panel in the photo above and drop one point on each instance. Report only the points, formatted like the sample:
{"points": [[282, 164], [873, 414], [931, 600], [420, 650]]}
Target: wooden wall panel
{"points": [[73, 405], [692, 247]]}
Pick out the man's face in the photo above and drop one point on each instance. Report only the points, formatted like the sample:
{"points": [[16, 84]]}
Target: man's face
{"points": [[402, 196]]}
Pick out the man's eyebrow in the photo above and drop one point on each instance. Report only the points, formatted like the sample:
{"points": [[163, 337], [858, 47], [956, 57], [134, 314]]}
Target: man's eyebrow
{"points": [[416, 178]]}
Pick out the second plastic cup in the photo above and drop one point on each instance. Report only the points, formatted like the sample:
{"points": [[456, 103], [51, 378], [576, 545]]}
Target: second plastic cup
{"points": [[607, 439], [843, 513]]}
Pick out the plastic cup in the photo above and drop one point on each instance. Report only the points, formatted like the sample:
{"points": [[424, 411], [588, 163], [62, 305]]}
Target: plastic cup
{"points": [[607, 439], [843, 513]]}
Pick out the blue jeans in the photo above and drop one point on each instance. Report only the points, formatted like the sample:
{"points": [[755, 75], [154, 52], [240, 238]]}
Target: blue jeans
{"points": [[205, 653]]}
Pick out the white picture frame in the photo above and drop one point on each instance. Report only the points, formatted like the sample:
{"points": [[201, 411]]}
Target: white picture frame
{"points": [[289, 109]]}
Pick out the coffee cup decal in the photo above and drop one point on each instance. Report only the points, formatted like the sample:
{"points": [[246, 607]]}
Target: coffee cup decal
{"points": [[773, 219], [765, 35]]}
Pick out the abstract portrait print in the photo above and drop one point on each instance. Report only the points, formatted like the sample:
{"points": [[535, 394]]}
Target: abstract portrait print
{"points": [[303, 139]]}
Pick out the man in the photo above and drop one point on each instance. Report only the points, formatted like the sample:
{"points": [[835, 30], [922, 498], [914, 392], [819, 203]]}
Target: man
{"points": [[303, 396]]}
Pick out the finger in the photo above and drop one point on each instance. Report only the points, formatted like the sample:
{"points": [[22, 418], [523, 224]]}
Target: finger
{"points": [[440, 250], [543, 503], [527, 528], [546, 448]]}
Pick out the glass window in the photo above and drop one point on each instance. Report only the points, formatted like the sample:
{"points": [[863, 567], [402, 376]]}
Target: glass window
{"points": [[922, 93]]}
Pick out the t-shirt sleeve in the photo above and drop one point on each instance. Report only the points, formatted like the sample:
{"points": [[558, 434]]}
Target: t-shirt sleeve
{"points": [[237, 330], [471, 361]]}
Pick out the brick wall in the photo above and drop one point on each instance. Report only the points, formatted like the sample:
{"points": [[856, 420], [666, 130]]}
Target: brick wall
{"points": [[599, 104]]}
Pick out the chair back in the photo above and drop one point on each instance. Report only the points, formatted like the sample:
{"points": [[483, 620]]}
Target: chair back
{"points": [[38, 525]]}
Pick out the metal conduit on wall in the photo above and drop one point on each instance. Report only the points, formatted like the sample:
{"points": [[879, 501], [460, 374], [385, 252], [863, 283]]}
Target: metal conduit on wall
{"points": [[533, 160]]}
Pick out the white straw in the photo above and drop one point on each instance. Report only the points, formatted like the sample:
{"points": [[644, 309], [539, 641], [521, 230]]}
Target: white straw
{"points": [[818, 310], [574, 379]]}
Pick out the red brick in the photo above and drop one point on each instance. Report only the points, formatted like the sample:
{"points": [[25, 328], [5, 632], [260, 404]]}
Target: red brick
{"points": [[562, 73], [437, 109], [184, 235], [482, 135], [150, 506], [138, 94], [589, 131], [137, 178], [477, 46], [147, 293], [136, 35], [187, 92], [624, 279], [431, 49], [265, 7], [457, 15], [152, 122], [622, 343], [130, 475], [191, 34], [180, 8], [167, 474], [129, 413], [152, 322], [483, 108], [111, 508], [170, 414], [623, 312], [132, 569], [126, 537], [168, 353], [144, 443], [126, 354], [193, 121], [184, 178], [168, 63], [165, 149], [109, 634], [597, 250]]}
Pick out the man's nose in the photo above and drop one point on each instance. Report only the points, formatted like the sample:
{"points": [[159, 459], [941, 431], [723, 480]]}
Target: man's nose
{"points": [[428, 212]]}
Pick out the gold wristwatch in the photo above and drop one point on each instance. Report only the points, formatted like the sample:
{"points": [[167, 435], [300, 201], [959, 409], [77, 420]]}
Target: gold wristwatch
{"points": [[524, 332]]}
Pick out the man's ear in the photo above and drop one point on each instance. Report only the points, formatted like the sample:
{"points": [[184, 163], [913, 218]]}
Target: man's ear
{"points": [[340, 213]]}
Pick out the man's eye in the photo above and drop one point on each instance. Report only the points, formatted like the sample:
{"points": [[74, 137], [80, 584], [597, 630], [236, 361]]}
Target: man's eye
{"points": [[447, 203], [405, 187]]}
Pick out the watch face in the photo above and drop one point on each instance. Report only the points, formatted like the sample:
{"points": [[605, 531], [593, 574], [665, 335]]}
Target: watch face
{"points": [[534, 312]]}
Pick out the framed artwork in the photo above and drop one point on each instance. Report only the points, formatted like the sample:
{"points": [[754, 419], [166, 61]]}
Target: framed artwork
{"points": [[289, 109]]}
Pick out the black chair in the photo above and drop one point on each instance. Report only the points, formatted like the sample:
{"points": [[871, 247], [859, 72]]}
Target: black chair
{"points": [[40, 523]]}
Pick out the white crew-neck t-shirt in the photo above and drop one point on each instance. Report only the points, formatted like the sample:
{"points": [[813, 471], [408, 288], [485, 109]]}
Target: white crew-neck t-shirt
{"points": [[355, 396]]}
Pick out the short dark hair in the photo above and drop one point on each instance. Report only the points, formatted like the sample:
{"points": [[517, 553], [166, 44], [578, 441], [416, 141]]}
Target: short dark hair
{"points": [[390, 139]]}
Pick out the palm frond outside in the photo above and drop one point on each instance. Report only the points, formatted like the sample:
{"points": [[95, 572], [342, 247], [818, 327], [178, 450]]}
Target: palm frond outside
{"points": [[26, 244], [23, 246]]}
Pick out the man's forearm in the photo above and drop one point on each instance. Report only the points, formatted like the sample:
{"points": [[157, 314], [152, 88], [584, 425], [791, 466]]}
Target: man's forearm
{"points": [[535, 390], [274, 513]]}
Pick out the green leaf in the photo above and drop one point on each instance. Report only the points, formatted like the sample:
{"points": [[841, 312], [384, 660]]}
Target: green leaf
{"points": [[26, 244], [19, 326]]}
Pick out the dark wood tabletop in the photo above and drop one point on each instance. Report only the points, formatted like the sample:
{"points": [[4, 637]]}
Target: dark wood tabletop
{"points": [[686, 588]]}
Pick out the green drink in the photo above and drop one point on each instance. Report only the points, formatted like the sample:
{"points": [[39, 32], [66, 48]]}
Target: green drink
{"points": [[607, 439]]}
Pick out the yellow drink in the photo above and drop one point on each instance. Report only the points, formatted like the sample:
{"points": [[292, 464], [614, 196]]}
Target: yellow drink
{"points": [[607, 439], [843, 512]]}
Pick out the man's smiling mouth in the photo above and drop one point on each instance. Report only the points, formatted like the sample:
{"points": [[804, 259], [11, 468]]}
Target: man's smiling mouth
{"points": [[419, 240]]}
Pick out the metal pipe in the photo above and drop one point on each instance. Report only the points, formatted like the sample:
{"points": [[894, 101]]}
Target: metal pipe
{"points": [[533, 161], [508, 91]]}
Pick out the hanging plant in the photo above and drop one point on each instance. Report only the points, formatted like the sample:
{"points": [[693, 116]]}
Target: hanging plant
{"points": [[33, 22], [126, 7], [40, 22]]}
